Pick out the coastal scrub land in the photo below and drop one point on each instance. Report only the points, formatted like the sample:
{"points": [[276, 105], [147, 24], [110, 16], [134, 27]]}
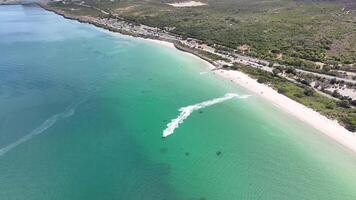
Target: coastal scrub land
{"points": [[289, 31], [305, 50]]}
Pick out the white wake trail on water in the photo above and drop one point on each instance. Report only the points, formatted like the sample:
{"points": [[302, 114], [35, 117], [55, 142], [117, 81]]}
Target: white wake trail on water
{"points": [[69, 111], [186, 111]]}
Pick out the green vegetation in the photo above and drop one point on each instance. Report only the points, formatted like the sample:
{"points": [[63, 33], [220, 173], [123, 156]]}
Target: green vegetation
{"points": [[205, 54], [333, 109], [285, 31], [76, 10], [300, 31]]}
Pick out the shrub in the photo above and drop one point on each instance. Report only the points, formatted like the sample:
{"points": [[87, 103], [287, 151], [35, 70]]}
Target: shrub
{"points": [[336, 94], [304, 81], [261, 80], [353, 102], [291, 70], [298, 95], [330, 106], [226, 66], [276, 72], [333, 81], [343, 103], [350, 127], [282, 90], [309, 92]]}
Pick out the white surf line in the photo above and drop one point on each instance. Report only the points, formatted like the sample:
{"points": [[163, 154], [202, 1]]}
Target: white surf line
{"points": [[201, 73], [186, 111], [69, 111]]}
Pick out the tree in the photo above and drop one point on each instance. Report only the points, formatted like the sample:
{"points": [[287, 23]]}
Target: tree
{"points": [[282, 90], [336, 94], [353, 102], [261, 80], [291, 70], [281, 68], [333, 81], [276, 72], [270, 64], [326, 68]]}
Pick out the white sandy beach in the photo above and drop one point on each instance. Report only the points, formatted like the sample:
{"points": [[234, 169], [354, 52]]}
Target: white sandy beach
{"points": [[187, 4], [327, 126]]}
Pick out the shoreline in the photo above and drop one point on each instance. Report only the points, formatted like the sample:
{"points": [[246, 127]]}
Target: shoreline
{"points": [[330, 128]]}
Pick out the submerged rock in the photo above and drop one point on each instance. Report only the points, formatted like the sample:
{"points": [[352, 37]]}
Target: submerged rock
{"points": [[163, 150]]}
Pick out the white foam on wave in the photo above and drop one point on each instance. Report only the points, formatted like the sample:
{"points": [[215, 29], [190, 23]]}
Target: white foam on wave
{"points": [[201, 73], [43, 127], [186, 111]]}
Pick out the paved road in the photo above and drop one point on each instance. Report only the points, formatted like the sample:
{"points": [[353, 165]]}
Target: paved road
{"points": [[255, 63], [327, 76]]}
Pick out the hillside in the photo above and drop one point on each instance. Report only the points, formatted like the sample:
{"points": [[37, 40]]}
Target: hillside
{"points": [[288, 32]]}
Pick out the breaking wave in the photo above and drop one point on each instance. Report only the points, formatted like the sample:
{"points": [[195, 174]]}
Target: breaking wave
{"points": [[69, 111], [186, 111]]}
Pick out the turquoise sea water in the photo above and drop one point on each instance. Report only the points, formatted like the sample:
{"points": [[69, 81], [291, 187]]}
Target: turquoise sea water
{"points": [[82, 112]]}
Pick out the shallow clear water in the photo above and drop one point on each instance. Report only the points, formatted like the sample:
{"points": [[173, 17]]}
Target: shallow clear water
{"points": [[82, 113]]}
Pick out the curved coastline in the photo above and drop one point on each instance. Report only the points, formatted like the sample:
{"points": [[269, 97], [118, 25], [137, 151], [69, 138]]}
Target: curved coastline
{"points": [[330, 128]]}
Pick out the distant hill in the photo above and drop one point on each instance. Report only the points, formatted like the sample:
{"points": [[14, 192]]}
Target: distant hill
{"points": [[349, 4], [284, 31], [22, 1]]}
